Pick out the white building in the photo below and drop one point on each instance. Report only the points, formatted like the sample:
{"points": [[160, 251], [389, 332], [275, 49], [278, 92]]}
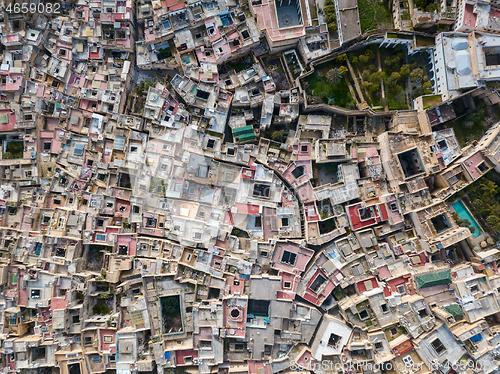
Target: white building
{"points": [[331, 337], [453, 64]]}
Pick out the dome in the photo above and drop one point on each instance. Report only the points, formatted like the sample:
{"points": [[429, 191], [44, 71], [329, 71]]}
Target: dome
{"points": [[459, 44], [463, 62]]}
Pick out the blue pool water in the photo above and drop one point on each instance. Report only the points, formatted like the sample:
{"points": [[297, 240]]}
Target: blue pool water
{"points": [[463, 213]]}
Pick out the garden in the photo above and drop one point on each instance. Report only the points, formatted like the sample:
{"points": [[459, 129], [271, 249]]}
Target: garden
{"points": [[483, 200], [103, 305], [171, 314], [237, 65], [427, 5], [373, 15], [386, 79], [164, 51], [383, 78], [330, 17], [13, 149], [329, 84], [473, 125]]}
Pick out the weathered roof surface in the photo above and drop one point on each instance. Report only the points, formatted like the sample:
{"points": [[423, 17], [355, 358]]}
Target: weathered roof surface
{"points": [[454, 310], [433, 279]]}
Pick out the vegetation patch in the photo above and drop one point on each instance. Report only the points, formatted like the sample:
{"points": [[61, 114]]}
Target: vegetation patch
{"points": [[430, 101], [239, 64], [426, 5], [239, 233], [327, 226], [485, 198], [373, 14], [329, 85], [143, 87], [101, 308], [470, 127], [164, 53], [331, 18], [13, 150], [171, 314], [463, 222]]}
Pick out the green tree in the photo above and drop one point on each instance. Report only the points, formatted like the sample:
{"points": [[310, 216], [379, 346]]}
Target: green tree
{"points": [[427, 85], [468, 125], [417, 74], [478, 204], [278, 135], [171, 306], [420, 4], [478, 115], [374, 77], [365, 85], [494, 221], [404, 71], [329, 9], [392, 61], [489, 188], [331, 18], [374, 88], [364, 59], [340, 59], [333, 76], [332, 26], [343, 69], [432, 8], [394, 79], [355, 60], [419, 91]]}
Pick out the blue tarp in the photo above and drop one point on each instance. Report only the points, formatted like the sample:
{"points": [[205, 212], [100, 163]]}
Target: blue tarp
{"points": [[476, 338]]}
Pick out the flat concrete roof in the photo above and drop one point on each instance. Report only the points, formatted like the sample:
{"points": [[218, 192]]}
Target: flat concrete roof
{"points": [[347, 4], [349, 21]]}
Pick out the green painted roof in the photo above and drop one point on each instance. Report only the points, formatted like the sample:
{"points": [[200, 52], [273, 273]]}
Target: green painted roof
{"points": [[245, 138], [243, 130], [433, 279], [454, 310]]}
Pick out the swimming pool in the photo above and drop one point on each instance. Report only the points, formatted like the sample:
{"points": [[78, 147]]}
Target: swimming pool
{"points": [[464, 213]]}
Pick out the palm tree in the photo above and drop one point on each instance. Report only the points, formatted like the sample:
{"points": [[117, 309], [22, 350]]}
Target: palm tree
{"points": [[489, 188], [334, 75]]}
